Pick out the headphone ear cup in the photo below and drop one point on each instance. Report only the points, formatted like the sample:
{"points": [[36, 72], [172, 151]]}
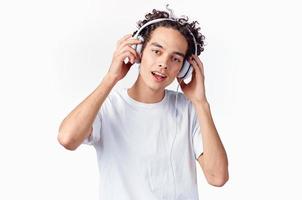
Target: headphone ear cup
{"points": [[138, 48], [186, 71]]}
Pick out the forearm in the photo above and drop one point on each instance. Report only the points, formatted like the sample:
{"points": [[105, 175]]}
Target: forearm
{"points": [[78, 124], [214, 159]]}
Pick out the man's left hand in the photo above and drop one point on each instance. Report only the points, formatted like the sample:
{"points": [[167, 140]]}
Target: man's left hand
{"points": [[195, 89]]}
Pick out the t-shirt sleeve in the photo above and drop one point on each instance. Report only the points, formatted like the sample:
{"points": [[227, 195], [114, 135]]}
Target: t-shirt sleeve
{"points": [[197, 136], [95, 135]]}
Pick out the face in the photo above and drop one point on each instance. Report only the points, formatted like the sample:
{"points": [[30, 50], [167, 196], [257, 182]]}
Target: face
{"points": [[162, 58]]}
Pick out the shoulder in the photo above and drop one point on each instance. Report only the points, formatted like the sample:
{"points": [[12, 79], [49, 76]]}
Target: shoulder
{"points": [[112, 99]]}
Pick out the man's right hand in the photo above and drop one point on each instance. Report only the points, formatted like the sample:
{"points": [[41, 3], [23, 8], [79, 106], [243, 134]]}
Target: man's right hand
{"points": [[119, 68]]}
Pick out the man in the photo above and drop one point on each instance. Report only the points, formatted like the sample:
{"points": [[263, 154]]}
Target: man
{"points": [[145, 150]]}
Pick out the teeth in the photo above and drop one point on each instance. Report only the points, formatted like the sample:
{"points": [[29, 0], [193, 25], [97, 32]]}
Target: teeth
{"points": [[162, 75]]}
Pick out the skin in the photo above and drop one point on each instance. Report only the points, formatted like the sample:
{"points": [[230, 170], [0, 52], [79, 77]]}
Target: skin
{"points": [[213, 161], [165, 57]]}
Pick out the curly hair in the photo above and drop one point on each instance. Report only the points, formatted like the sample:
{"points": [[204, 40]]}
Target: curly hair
{"points": [[181, 24]]}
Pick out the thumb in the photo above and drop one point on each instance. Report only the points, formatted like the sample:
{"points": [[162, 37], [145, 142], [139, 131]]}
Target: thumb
{"points": [[181, 83]]}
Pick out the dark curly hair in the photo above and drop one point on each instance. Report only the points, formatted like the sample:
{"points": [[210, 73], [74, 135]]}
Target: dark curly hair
{"points": [[181, 24]]}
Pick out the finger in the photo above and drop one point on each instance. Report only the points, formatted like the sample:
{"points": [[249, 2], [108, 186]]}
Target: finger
{"points": [[181, 83], [195, 66], [194, 71], [130, 42], [127, 54], [128, 48], [123, 38], [199, 62], [198, 71]]}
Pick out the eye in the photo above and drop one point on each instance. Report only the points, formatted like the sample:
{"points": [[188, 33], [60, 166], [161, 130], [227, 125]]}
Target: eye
{"points": [[177, 60], [156, 51]]}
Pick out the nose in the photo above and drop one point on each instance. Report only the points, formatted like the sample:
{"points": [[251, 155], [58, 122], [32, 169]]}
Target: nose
{"points": [[163, 63]]}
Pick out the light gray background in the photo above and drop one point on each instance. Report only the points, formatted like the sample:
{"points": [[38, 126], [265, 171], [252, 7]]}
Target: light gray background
{"points": [[53, 54]]}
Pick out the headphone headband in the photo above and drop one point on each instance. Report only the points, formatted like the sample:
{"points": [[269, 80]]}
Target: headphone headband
{"points": [[166, 19]]}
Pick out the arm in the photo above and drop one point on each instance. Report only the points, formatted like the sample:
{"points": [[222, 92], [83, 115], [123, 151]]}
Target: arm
{"points": [[78, 124], [213, 161]]}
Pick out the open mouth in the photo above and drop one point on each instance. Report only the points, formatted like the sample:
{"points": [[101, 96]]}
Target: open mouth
{"points": [[158, 76]]}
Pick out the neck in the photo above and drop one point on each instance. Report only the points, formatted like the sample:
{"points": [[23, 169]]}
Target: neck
{"points": [[142, 93]]}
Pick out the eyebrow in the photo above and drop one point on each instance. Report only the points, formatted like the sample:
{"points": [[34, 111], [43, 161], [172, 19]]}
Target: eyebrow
{"points": [[174, 52]]}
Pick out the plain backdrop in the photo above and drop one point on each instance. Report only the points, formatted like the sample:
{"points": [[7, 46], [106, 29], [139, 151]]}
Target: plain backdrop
{"points": [[53, 54]]}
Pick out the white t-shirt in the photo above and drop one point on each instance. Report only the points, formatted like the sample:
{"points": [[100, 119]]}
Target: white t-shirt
{"points": [[133, 141]]}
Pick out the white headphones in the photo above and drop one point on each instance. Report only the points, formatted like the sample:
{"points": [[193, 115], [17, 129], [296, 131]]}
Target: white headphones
{"points": [[187, 69]]}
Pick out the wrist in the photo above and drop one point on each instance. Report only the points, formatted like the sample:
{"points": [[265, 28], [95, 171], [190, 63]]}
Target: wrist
{"points": [[201, 101], [110, 78], [204, 104]]}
